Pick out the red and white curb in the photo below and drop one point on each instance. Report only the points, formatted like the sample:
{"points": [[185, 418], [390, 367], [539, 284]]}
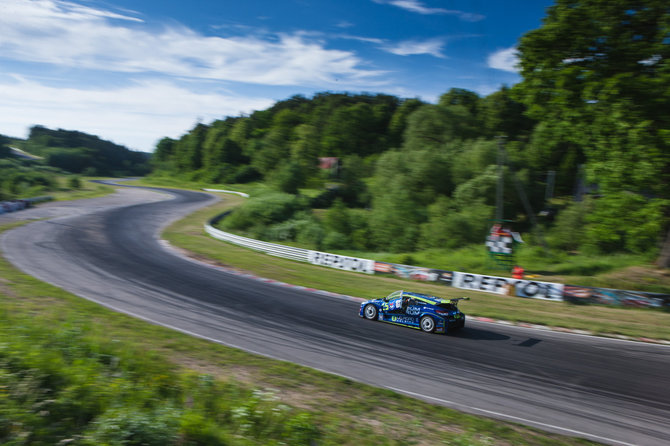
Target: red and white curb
{"points": [[185, 254]]}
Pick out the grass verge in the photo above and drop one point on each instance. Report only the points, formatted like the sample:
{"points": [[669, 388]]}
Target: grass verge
{"points": [[73, 372]]}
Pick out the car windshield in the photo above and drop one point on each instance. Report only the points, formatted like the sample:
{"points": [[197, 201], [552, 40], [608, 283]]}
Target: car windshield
{"points": [[393, 295]]}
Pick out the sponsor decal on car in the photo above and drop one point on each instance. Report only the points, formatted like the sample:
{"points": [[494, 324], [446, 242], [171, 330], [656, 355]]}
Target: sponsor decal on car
{"points": [[402, 320], [413, 311]]}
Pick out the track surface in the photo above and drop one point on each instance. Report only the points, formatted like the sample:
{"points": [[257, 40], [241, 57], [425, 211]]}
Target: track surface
{"points": [[611, 391]]}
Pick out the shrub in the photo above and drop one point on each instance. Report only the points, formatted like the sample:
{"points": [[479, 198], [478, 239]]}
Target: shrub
{"points": [[262, 211], [74, 182], [311, 234], [131, 427], [568, 232], [336, 240]]}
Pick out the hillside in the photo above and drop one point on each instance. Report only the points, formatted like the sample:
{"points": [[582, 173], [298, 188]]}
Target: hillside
{"points": [[82, 153], [576, 156]]}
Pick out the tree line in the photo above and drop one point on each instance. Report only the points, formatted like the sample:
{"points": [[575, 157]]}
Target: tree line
{"points": [[82, 153], [62, 153]]}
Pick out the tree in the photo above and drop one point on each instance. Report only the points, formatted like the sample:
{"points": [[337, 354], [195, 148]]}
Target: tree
{"points": [[500, 114], [398, 121], [4, 147], [395, 217], [602, 69], [288, 177], [188, 150], [433, 126], [305, 149], [459, 96]]}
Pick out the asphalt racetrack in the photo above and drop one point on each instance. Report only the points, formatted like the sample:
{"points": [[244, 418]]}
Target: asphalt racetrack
{"points": [[107, 250]]}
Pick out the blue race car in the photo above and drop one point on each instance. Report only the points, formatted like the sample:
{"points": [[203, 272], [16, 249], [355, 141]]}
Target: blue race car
{"points": [[420, 311]]}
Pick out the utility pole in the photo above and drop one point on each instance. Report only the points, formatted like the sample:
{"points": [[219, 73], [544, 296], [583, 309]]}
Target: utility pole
{"points": [[501, 183]]}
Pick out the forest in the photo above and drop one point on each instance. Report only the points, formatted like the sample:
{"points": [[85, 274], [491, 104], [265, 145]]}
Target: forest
{"points": [[58, 153], [582, 142]]}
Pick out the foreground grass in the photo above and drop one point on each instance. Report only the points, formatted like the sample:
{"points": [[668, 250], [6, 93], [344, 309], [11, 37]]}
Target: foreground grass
{"points": [[73, 372]]}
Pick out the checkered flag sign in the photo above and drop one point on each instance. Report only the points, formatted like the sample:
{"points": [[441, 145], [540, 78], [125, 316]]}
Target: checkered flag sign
{"points": [[500, 244], [501, 240]]}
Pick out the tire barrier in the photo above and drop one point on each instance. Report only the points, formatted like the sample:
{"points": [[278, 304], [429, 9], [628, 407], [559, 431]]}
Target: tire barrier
{"points": [[477, 282]]}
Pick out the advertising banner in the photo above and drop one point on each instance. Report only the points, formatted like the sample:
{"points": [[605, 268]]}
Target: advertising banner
{"points": [[506, 285], [414, 272], [607, 296], [342, 262]]}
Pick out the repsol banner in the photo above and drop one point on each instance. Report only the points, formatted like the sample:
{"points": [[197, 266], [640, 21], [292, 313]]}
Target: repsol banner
{"points": [[342, 262], [505, 285]]}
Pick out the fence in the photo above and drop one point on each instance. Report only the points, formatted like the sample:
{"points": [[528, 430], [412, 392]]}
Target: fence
{"points": [[477, 282]]}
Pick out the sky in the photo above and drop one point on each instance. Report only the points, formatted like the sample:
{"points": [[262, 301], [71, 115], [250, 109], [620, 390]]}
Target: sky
{"points": [[135, 71]]}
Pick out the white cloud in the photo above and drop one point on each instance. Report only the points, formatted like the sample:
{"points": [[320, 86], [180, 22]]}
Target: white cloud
{"points": [[419, 8], [416, 47], [68, 35], [136, 116], [91, 60], [505, 59]]}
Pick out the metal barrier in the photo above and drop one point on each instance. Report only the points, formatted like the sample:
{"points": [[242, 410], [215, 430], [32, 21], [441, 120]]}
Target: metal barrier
{"points": [[273, 249]]}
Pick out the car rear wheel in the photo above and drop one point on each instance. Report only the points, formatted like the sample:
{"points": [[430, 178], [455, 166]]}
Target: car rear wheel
{"points": [[370, 312], [428, 324]]}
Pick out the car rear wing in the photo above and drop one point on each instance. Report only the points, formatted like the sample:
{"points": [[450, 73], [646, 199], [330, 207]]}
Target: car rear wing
{"points": [[456, 299]]}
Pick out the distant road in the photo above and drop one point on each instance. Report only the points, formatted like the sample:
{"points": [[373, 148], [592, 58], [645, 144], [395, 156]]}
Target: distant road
{"points": [[615, 392], [22, 154]]}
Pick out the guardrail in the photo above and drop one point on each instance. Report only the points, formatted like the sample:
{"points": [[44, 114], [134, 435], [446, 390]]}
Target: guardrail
{"points": [[273, 249], [476, 282]]}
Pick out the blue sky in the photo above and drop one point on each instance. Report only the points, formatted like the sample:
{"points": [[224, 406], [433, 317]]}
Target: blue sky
{"points": [[134, 71]]}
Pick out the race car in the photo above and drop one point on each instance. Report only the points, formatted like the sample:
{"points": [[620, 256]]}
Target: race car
{"points": [[415, 310]]}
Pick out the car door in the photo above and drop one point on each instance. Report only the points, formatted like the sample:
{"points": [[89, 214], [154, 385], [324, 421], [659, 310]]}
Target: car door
{"points": [[413, 312]]}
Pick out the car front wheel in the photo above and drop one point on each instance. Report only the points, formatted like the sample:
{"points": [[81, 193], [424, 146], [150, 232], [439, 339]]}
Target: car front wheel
{"points": [[370, 312], [428, 324]]}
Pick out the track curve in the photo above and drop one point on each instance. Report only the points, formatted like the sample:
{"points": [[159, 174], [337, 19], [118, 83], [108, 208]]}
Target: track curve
{"points": [[611, 391]]}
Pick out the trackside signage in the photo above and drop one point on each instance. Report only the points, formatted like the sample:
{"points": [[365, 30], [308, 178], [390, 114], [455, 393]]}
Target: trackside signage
{"points": [[342, 262], [505, 285]]}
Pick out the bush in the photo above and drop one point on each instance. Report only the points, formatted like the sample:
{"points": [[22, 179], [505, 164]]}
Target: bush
{"points": [[450, 228], [262, 211], [336, 240], [130, 427], [311, 234], [568, 232], [74, 182], [626, 221]]}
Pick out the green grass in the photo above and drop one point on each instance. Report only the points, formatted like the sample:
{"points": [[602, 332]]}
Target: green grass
{"points": [[71, 369], [88, 189]]}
